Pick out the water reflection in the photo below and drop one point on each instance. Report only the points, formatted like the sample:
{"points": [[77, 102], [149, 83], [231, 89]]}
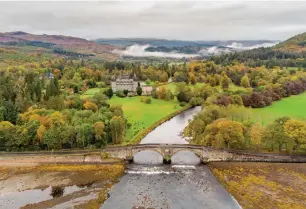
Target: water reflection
{"points": [[148, 157], [31, 196], [170, 131], [185, 158]]}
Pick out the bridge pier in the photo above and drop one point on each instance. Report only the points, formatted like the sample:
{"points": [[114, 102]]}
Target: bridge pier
{"points": [[167, 159]]}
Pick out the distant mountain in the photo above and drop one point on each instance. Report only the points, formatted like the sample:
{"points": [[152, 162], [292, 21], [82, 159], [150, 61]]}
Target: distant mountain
{"points": [[142, 47], [65, 43], [294, 44], [124, 42]]}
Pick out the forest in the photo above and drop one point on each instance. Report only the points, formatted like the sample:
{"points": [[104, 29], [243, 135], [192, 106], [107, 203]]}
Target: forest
{"points": [[45, 101]]}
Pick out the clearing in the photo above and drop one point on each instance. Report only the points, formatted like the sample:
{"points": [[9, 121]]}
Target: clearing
{"points": [[91, 92], [293, 106]]}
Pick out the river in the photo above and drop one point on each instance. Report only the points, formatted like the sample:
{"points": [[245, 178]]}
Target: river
{"points": [[183, 185]]}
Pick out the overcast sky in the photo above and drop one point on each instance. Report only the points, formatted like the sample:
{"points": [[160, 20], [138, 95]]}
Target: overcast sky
{"points": [[173, 20]]}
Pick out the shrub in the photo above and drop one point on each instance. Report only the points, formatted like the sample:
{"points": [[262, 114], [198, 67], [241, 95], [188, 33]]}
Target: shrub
{"points": [[146, 100], [57, 191], [104, 155], [120, 94], [182, 104]]}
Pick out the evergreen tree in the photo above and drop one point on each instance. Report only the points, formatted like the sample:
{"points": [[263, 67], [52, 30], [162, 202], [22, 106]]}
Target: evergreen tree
{"points": [[38, 90], [57, 88], [48, 92], [139, 89], [11, 112]]}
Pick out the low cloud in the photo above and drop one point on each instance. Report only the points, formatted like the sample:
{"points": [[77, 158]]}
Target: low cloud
{"points": [[241, 46], [214, 50], [140, 51]]}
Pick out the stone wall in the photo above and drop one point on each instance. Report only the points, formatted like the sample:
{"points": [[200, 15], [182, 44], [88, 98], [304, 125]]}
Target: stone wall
{"points": [[206, 154]]}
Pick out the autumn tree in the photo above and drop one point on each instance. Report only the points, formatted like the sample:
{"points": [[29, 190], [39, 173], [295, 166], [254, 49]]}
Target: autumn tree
{"points": [[256, 132], [225, 81], [117, 127], [245, 81], [296, 130], [225, 134], [90, 106], [274, 134]]}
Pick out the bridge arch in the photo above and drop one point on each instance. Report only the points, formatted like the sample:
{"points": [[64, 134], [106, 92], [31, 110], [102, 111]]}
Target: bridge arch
{"points": [[135, 151], [186, 157], [197, 152], [147, 156]]}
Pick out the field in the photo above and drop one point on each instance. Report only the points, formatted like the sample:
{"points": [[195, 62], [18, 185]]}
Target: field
{"points": [[91, 92], [293, 107], [141, 115], [264, 185]]}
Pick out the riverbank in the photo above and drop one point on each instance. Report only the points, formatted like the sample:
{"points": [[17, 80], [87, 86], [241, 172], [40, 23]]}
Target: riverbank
{"points": [[150, 128], [264, 185], [141, 115], [34, 160], [62, 185]]}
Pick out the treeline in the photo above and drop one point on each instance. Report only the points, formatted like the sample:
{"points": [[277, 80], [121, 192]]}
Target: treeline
{"points": [[265, 97], [70, 53], [233, 127], [263, 56]]}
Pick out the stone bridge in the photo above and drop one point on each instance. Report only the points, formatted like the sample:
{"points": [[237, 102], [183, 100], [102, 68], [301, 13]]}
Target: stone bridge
{"points": [[206, 154]]}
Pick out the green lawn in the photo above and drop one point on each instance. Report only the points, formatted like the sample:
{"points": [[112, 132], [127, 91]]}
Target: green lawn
{"points": [[141, 115], [91, 92], [294, 107]]}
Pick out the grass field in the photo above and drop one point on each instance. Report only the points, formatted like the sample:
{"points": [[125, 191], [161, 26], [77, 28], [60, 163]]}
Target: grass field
{"points": [[91, 92], [141, 115], [293, 107]]}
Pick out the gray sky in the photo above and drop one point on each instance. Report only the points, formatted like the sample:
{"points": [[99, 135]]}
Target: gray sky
{"points": [[172, 20]]}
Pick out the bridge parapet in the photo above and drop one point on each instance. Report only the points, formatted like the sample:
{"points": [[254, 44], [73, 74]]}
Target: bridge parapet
{"points": [[207, 154]]}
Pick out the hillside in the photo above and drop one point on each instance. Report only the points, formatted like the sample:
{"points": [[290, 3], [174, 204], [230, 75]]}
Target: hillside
{"points": [[295, 44], [68, 43]]}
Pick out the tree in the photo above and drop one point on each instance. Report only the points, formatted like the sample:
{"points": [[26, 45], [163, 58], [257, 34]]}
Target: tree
{"points": [[99, 132], [40, 132], [224, 81], [6, 131], [38, 90], [225, 134], [100, 99], [296, 130], [117, 127], [11, 112], [109, 92], [237, 100], [90, 106], [245, 81], [84, 134], [56, 103], [274, 134], [125, 91], [256, 132], [139, 89]]}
